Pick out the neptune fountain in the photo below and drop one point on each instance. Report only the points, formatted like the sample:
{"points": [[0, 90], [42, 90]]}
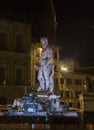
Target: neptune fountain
{"points": [[44, 101]]}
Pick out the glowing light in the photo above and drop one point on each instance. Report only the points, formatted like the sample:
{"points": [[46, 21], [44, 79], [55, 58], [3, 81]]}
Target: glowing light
{"points": [[40, 50], [64, 69]]}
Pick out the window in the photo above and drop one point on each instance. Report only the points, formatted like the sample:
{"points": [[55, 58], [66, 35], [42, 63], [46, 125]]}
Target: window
{"points": [[62, 80], [78, 105], [70, 104], [78, 81], [77, 93], [2, 75], [19, 47], [67, 93], [69, 81], [2, 41], [55, 55], [73, 104], [18, 76]]}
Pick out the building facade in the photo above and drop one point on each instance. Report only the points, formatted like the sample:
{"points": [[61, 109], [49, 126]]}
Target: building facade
{"points": [[74, 82], [15, 40]]}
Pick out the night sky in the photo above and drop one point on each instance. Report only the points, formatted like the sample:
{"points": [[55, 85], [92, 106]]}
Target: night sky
{"points": [[76, 30], [75, 24]]}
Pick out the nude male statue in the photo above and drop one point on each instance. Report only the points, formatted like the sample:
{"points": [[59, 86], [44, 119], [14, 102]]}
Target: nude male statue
{"points": [[46, 70]]}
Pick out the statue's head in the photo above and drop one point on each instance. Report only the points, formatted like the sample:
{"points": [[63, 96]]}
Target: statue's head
{"points": [[44, 42]]}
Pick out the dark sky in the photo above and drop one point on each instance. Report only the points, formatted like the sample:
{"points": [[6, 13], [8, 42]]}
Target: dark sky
{"points": [[75, 24], [76, 29]]}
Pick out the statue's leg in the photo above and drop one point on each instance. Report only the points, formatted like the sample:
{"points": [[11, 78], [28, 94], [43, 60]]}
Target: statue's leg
{"points": [[51, 86], [41, 81], [47, 78]]}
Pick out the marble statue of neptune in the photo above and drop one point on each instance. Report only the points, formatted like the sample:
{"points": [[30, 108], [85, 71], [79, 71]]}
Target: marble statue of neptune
{"points": [[46, 70]]}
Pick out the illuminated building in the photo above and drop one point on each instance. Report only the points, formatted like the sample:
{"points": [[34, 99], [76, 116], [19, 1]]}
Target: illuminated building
{"points": [[73, 82], [15, 40]]}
